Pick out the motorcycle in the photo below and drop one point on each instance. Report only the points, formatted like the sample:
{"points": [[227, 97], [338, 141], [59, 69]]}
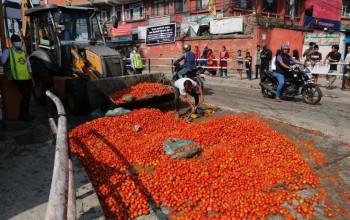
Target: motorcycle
{"points": [[194, 74], [297, 83]]}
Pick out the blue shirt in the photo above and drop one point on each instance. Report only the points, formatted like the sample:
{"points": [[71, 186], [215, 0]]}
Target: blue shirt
{"points": [[190, 60], [239, 58]]}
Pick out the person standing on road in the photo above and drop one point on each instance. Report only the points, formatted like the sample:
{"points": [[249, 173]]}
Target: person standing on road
{"points": [[347, 79], [257, 61], [211, 62], [309, 51], [19, 71], [315, 57], [248, 65], [223, 61], [197, 54], [183, 87], [136, 60], [240, 63], [332, 57], [283, 62], [296, 57], [265, 56]]}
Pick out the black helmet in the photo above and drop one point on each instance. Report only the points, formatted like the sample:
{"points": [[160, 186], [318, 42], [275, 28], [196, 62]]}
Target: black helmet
{"points": [[187, 47]]}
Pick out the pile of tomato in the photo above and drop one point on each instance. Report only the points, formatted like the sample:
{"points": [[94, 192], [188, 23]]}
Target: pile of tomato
{"points": [[141, 91], [246, 169]]}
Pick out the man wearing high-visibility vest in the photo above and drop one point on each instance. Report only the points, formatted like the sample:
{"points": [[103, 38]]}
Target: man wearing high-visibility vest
{"points": [[19, 71], [135, 59]]}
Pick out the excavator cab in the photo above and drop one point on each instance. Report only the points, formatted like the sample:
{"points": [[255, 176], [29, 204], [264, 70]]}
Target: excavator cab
{"points": [[68, 50]]}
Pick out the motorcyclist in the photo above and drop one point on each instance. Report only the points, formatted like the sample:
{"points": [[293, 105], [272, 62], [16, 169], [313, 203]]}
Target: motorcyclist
{"points": [[190, 61], [283, 64]]}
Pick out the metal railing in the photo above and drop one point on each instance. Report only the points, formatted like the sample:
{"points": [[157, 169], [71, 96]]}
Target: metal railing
{"points": [[149, 65], [231, 66], [62, 199]]}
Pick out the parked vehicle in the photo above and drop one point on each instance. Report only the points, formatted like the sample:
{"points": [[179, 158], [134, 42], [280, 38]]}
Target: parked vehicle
{"points": [[195, 75], [299, 83]]}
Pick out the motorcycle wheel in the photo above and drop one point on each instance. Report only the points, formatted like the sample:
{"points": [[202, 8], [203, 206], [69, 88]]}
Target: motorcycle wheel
{"points": [[265, 92], [311, 94]]}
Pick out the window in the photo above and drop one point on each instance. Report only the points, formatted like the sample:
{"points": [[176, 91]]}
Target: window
{"points": [[135, 12], [289, 7], [118, 13], [46, 38], [346, 9], [200, 4], [180, 6], [105, 15], [244, 4], [270, 6], [161, 7]]}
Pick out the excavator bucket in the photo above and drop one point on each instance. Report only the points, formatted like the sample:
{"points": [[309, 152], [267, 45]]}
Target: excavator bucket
{"points": [[99, 91]]}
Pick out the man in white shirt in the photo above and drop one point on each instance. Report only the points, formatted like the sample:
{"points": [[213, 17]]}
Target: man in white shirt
{"points": [[183, 87]]}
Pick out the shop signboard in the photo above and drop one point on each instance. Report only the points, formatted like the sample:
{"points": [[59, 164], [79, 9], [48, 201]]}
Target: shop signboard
{"points": [[122, 34], [322, 39], [321, 23]]}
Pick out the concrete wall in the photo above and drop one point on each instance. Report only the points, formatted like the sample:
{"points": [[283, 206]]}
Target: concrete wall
{"points": [[174, 50], [279, 36]]}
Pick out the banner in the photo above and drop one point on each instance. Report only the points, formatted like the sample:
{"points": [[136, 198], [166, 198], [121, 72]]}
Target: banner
{"points": [[319, 68], [161, 34], [211, 7], [226, 26], [122, 30]]}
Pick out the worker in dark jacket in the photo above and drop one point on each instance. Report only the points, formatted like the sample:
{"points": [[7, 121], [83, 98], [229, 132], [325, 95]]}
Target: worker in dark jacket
{"points": [[18, 70], [266, 57]]}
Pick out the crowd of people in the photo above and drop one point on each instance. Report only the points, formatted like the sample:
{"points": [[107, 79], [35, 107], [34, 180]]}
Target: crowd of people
{"points": [[266, 60]]}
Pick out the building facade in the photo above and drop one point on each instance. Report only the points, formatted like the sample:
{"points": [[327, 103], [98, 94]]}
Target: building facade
{"points": [[270, 22]]}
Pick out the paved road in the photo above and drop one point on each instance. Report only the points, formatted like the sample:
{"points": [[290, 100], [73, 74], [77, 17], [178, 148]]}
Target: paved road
{"points": [[331, 116], [26, 154]]}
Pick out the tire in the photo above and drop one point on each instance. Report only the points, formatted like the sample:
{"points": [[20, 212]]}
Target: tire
{"points": [[266, 93], [43, 81], [77, 101], [311, 94]]}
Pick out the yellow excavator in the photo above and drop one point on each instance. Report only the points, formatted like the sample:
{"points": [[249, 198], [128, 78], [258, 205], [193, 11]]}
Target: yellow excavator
{"points": [[67, 50]]}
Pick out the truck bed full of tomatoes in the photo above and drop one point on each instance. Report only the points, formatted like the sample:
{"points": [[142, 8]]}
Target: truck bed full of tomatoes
{"points": [[246, 169], [141, 91]]}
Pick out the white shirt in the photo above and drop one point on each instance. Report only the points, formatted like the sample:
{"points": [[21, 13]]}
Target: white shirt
{"points": [[180, 85], [347, 58], [132, 59], [273, 63]]}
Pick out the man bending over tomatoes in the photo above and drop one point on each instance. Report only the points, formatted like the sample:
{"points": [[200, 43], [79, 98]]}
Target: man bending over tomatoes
{"points": [[183, 87]]}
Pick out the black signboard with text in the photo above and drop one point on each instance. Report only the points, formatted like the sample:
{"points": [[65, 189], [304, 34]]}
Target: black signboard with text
{"points": [[161, 34]]}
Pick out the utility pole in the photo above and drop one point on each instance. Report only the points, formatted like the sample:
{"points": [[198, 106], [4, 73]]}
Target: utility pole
{"points": [[2, 28], [292, 9]]}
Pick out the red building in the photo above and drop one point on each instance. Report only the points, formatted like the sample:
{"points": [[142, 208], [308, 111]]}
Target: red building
{"points": [[270, 22]]}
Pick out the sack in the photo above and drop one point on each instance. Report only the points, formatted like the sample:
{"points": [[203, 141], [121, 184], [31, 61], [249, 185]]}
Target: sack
{"points": [[171, 145], [117, 111]]}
